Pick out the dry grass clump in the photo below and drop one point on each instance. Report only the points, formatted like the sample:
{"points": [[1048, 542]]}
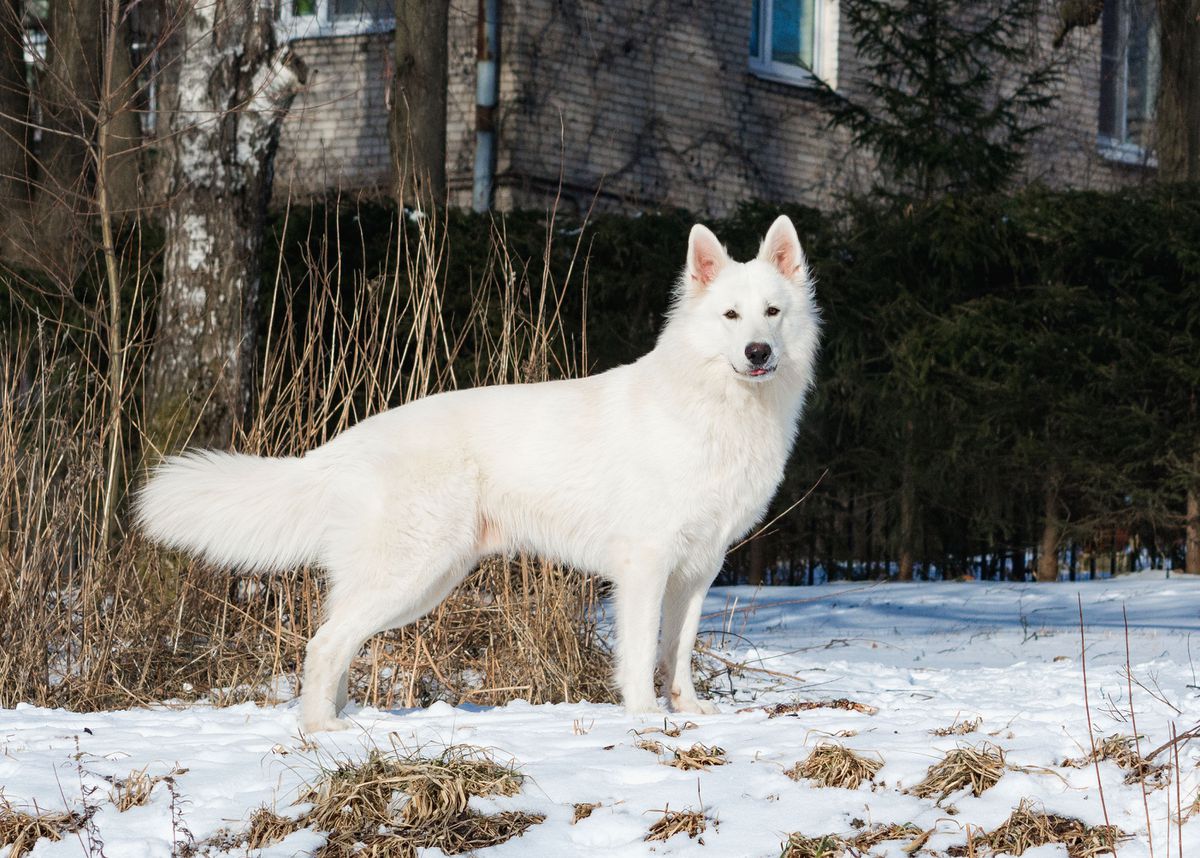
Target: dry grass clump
{"points": [[693, 823], [833, 765], [92, 617], [20, 830], [133, 791], [823, 846], [699, 756], [1122, 750], [958, 728], [1027, 828], [583, 809], [834, 845], [391, 805], [978, 768], [361, 794], [267, 828], [651, 745], [808, 705]]}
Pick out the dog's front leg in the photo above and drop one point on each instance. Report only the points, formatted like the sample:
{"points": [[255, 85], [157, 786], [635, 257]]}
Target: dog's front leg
{"points": [[639, 598], [681, 620]]}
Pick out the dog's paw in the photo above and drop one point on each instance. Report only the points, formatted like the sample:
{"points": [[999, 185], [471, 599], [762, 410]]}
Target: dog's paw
{"points": [[695, 706], [324, 725], [644, 707]]}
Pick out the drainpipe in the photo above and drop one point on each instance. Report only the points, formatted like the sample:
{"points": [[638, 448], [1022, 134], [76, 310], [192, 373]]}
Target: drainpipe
{"points": [[487, 94]]}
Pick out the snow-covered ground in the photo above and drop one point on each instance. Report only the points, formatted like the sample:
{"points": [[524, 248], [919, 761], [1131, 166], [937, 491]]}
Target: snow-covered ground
{"points": [[924, 656]]}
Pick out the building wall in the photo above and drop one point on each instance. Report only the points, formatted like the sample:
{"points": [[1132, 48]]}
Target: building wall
{"points": [[623, 105]]}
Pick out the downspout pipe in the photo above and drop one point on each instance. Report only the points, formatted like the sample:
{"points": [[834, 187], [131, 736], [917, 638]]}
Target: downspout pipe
{"points": [[487, 96]]}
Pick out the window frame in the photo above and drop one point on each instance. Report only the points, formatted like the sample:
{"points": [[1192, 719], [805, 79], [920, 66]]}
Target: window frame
{"points": [[825, 36], [1118, 149], [324, 24]]}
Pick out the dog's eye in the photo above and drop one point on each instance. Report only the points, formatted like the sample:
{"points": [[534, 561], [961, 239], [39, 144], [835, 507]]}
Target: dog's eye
{"points": [[731, 314], [772, 311]]}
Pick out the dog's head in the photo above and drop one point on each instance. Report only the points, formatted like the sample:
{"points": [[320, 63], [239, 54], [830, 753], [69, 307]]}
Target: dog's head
{"points": [[755, 319]]}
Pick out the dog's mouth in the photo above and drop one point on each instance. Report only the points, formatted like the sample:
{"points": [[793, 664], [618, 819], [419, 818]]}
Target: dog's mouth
{"points": [[759, 372]]}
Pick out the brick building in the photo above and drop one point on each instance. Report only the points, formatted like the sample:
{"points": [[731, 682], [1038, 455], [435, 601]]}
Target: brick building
{"points": [[696, 104]]}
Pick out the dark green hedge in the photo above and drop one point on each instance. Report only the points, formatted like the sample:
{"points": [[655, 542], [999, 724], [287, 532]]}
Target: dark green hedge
{"points": [[977, 352]]}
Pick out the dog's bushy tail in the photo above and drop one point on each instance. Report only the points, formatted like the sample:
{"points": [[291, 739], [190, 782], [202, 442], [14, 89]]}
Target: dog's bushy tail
{"points": [[247, 512]]}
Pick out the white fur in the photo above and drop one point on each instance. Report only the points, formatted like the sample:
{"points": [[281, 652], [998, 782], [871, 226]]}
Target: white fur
{"points": [[644, 474]]}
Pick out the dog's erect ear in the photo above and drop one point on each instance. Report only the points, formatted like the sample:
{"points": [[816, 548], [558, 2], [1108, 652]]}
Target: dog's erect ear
{"points": [[706, 258], [781, 248]]}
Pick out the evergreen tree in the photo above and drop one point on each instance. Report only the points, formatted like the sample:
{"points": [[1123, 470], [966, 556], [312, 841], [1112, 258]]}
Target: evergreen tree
{"points": [[953, 91]]}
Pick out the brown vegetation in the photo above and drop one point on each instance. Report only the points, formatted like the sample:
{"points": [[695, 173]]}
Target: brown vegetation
{"points": [[86, 621], [832, 765]]}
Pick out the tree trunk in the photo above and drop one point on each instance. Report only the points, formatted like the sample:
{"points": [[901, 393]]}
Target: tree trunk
{"points": [[1047, 567], [1177, 122], [123, 156], [68, 97], [222, 108], [756, 574], [908, 511], [14, 133], [418, 115], [1192, 558]]}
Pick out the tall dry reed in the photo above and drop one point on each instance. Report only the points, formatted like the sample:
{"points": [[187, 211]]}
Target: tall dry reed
{"points": [[85, 625]]}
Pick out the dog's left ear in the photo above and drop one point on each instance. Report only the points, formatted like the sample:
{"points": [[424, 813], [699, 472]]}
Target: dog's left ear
{"points": [[781, 249]]}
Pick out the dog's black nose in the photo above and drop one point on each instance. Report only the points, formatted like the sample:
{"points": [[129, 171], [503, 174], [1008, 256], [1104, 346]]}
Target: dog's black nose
{"points": [[758, 353]]}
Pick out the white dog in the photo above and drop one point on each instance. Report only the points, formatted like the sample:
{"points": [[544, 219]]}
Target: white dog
{"points": [[644, 474]]}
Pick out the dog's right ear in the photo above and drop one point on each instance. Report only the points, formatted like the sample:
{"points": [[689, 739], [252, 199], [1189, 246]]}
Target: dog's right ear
{"points": [[706, 258]]}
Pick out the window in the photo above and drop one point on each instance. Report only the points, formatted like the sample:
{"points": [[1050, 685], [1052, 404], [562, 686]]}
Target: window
{"points": [[1128, 78], [794, 40], [303, 19]]}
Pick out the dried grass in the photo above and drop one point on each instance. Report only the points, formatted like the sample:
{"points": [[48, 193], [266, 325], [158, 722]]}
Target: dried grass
{"points": [[780, 709], [959, 728], [823, 846], [670, 729], [391, 804], [835, 845], [651, 745], [583, 809], [1122, 750], [833, 765], [693, 823], [697, 757], [978, 768], [267, 828], [20, 830], [90, 624], [1027, 828], [133, 791]]}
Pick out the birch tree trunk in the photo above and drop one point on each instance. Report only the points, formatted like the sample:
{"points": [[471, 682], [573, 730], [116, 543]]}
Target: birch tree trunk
{"points": [[418, 116], [222, 109]]}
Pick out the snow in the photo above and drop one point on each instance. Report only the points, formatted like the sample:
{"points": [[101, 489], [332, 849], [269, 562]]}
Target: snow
{"points": [[924, 655]]}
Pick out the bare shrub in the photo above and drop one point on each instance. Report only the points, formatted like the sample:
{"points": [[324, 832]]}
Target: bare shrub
{"points": [[93, 620]]}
